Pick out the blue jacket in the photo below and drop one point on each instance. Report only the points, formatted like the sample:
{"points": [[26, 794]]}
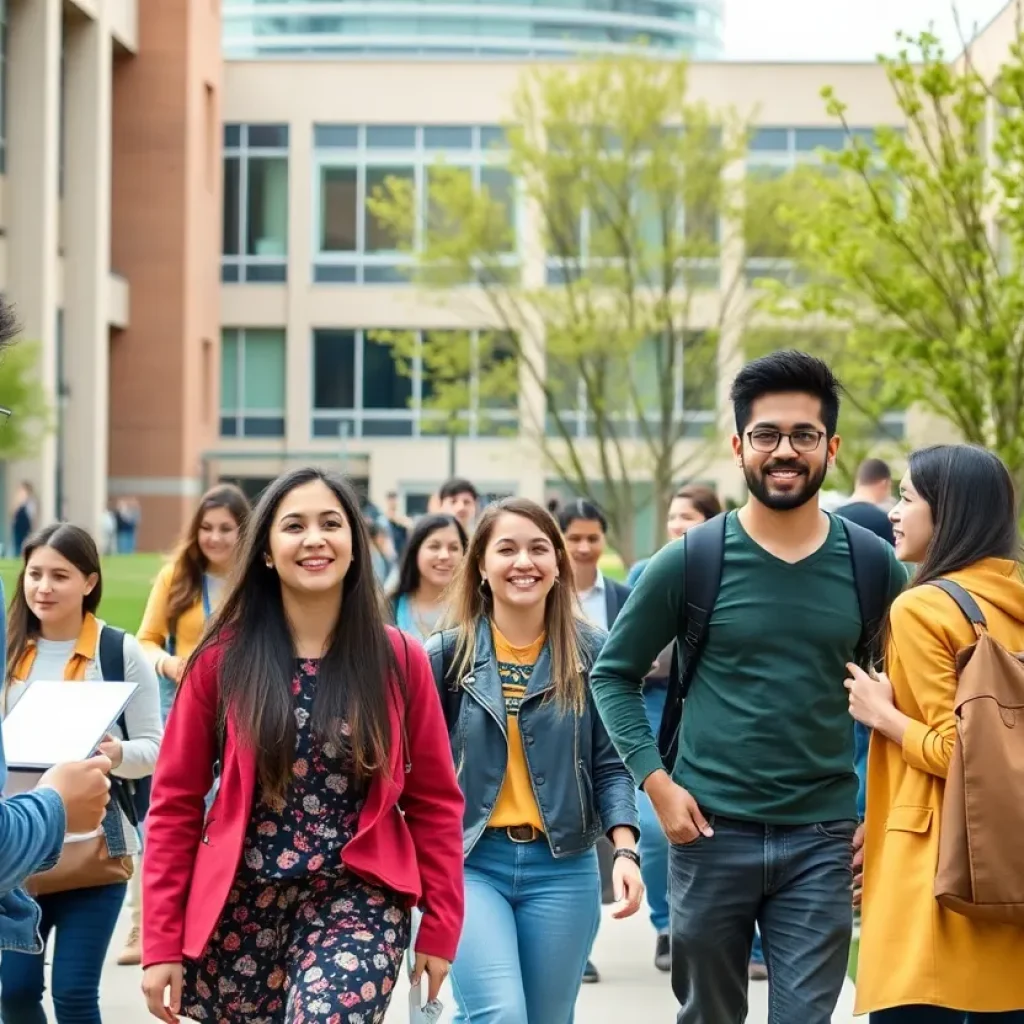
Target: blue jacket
{"points": [[31, 837], [583, 789]]}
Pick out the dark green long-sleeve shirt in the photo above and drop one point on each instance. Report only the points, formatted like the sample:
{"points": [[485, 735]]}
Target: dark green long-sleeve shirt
{"points": [[767, 735]]}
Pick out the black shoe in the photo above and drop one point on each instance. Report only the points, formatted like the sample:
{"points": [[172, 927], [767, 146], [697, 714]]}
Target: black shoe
{"points": [[663, 954], [590, 975]]}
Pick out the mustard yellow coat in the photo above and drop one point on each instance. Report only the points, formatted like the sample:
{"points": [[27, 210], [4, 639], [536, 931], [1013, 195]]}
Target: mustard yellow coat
{"points": [[912, 951]]}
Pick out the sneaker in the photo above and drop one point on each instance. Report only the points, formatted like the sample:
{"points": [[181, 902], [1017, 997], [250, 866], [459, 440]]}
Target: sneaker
{"points": [[590, 975], [757, 971], [663, 954], [131, 955]]}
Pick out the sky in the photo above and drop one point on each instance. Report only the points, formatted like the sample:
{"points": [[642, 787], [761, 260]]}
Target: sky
{"points": [[841, 30]]}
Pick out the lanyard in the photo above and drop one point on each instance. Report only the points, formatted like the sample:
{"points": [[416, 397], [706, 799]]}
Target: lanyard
{"points": [[206, 598]]}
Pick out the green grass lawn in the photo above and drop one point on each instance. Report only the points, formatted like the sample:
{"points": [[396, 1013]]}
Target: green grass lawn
{"points": [[127, 580]]}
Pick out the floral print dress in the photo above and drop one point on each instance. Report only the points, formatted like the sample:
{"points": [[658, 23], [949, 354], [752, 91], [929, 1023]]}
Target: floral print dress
{"points": [[301, 940]]}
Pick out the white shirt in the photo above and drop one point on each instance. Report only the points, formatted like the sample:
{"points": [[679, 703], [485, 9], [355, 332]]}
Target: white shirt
{"points": [[594, 603]]}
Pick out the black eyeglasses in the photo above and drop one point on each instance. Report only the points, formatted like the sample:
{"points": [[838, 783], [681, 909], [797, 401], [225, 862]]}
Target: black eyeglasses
{"points": [[768, 439]]}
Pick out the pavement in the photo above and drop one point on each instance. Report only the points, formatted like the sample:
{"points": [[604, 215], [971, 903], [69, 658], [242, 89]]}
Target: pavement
{"points": [[630, 987]]}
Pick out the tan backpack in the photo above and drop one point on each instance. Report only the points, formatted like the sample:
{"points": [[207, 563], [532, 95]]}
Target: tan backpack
{"points": [[981, 839]]}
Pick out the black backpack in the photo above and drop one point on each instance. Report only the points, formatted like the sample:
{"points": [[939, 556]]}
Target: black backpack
{"points": [[705, 549], [131, 796]]}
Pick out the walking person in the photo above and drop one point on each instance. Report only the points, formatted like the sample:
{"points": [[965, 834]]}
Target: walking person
{"points": [[585, 530], [54, 634], [69, 797], [338, 809], [759, 800], [957, 519], [690, 506], [541, 779], [431, 557]]}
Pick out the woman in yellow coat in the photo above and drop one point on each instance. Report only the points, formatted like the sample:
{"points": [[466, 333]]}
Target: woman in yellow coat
{"points": [[920, 963]]}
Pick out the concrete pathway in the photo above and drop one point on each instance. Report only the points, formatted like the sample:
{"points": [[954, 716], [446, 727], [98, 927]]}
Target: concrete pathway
{"points": [[630, 988]]}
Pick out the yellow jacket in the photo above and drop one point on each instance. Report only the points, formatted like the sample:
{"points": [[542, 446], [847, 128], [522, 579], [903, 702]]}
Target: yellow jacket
{"points": [[154, 631], [912, 951]]}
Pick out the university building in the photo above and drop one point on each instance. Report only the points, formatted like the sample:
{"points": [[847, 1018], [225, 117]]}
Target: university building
{"points": [[205, 277]]}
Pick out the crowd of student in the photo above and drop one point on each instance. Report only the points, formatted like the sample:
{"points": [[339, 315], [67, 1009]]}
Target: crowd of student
{"points": [[467, 766]]}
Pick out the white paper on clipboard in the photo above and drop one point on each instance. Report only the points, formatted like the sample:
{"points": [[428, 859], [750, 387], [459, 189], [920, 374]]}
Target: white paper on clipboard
{"points": [[58, 721], [430, 1013]]}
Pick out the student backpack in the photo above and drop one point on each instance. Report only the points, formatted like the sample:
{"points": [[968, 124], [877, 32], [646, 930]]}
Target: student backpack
{"points": [[131, 795], [705, 549], [980, 873]]}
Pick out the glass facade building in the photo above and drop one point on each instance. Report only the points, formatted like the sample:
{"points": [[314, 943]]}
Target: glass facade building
{"points": [[451, 28]]}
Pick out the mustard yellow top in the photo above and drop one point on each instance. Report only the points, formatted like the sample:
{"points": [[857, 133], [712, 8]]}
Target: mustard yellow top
{"points": [[154, 631], [516, 803], [912, 951]]}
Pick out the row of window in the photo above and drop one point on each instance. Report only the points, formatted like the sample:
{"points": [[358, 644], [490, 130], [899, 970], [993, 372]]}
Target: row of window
{"points": [[362, 386], [353, 246]]}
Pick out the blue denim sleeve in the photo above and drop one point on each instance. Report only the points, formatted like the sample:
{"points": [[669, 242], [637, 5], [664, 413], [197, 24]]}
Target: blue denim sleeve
{"points": [[31, 824]]}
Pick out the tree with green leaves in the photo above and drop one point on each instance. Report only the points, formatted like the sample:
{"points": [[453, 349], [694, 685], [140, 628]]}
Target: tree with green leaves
{"points": [[912, 247], [22, 392], [600, 253]]}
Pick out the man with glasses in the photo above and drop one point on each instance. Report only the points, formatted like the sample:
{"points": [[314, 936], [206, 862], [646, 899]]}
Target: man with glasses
{"points": [[68, 798], [760, 802]]}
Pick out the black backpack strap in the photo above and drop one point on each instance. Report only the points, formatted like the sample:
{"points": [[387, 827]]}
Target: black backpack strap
{"points": [[704, 549], [125, 793], [972, 612], [870, 561]]}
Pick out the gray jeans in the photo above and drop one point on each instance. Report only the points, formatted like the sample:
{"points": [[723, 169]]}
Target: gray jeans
{"points": [[794, 882]]}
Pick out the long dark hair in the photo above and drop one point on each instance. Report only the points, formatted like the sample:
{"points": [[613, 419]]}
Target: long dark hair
{"points": [[78, 547], [409, 571], [189, 562], [973, 505], [354, 680]]}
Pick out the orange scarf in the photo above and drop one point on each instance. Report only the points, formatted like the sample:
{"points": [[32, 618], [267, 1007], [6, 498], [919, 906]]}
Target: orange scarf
{"points": [[84, 652]]}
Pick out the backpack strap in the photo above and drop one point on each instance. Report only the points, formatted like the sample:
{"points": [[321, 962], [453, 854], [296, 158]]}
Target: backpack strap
{"points": [[110, 653], [704, 548], [111, 658], [870, 561], [972, 612]]}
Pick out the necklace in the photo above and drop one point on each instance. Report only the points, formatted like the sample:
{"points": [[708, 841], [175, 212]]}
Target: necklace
{"points": [[425, 624]]}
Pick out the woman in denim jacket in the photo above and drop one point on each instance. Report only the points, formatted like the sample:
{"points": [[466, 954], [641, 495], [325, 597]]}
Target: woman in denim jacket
{"points": [[54, 633], [542, 780]]}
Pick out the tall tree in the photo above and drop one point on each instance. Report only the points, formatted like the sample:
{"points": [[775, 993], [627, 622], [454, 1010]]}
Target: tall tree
{"points": [[601, 252], [22, 392], [913, 245]]}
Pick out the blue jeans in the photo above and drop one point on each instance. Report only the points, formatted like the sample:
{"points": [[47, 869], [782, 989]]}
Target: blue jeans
{"points": [[84, 920], [530, 922], [653, 845], [861, 740], [938, 1015], [794, 882]]}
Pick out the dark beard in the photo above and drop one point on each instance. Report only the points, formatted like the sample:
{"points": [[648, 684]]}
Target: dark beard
{"points": [[758, 487]]}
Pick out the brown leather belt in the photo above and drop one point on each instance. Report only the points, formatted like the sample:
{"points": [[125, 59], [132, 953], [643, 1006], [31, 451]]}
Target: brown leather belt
{"points": [[522, 833]]}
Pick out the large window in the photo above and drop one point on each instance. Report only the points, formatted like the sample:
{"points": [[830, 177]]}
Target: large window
{"points": [[255, 244], [350, 244], [694, 374], [772, 154], [252, 382], [362, 386]]}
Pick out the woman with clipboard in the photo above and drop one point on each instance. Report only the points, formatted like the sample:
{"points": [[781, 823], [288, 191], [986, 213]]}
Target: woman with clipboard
{"points": [[53, 633]]}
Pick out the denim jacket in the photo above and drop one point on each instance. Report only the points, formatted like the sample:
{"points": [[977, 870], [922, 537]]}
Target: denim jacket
{"points": [[582, 788], [31, 838]]}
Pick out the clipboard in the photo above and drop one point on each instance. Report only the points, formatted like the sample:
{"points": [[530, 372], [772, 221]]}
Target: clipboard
{"points": [[58, 721]]}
